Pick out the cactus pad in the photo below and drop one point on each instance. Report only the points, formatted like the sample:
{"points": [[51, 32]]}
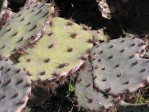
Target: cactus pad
{"points": [[118, 66], [25, 25], [87, 96], [14, 87], [59, 51]]}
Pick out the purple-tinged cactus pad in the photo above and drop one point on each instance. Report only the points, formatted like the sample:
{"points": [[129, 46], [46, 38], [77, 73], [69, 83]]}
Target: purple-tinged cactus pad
{"points": [[118, 66], [14, 87], [87, 96]]}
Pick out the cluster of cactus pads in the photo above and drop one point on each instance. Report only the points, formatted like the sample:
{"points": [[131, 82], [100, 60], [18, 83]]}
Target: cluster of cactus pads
{"points": [[45, 47], [39, 48], [116, 68]]}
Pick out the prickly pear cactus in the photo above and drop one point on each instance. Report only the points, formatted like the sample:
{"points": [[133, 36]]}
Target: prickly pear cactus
{"points": [[118, 66], [26, 25], [87, 96], [14, 87], [126, 107], [60, 51]]}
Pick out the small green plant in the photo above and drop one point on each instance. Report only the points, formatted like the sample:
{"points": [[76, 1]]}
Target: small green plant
{"points": [[71, 89]]}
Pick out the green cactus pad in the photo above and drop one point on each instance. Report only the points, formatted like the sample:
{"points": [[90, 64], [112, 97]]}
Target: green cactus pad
{"points": [[118, 66], [60, 50], [25, 25], [87, 96], [14, 87]]}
